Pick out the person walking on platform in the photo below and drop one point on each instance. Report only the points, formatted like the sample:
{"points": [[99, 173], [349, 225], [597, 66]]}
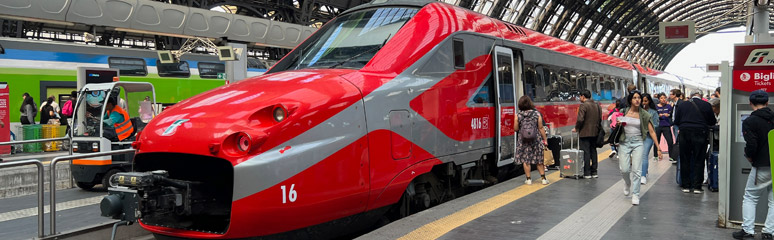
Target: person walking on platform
{"points": [[530, 149], [637, 125], [28, 110], [694, 117], [665, 124], [755, 130], [587, 126], [676, 96], [649, 106]]}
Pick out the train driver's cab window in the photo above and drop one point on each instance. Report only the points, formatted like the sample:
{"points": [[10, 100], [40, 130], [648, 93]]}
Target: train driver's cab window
{"points": [[459, 53], [351, 40], [178, 69], [128, 66], [211, 70]]}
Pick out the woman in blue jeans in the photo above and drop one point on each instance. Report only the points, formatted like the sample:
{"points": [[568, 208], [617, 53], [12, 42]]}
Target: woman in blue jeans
{"points": [[649, 106], [637, 125]]}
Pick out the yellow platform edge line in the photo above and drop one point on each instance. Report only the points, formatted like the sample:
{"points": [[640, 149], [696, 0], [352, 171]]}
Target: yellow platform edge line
{"points": [[444, 225]]}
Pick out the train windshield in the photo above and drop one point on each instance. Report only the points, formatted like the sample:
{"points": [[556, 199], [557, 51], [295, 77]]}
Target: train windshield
{"points": [[352, 40]]}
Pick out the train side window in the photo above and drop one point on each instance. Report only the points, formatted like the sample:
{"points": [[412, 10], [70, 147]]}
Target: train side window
{"points": [[178, 69], [485, 93], [529, 81], [540, 83], [459, 53], [129, 66], [211, 70]]}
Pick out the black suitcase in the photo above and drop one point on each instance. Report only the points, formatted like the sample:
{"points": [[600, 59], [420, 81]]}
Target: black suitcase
{"points": [[555, 145]]}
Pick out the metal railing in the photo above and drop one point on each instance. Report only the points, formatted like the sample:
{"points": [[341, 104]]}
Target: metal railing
{"points": [[35, 141], [41, 182], [52, 168]]}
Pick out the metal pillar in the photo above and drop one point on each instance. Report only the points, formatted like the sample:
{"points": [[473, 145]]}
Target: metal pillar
{"points": [[760, 23], [237, 70]]}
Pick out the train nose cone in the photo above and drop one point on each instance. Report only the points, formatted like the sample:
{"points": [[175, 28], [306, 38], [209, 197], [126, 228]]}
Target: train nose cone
{"points": [[198, 124]]}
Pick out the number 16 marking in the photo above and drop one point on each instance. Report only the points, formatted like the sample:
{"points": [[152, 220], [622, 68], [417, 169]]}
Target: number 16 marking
{"points": [[289, 195]]}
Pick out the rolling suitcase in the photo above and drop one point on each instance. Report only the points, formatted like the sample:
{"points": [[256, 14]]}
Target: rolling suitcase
{"points": [[712, 172], [571, 161], [712, 164], [555, 145]]}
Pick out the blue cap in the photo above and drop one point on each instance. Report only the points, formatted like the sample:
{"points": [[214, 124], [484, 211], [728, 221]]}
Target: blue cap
{"points": [[759, 97]]}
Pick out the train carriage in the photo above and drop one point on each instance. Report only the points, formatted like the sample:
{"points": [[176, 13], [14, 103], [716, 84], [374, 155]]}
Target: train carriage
{"points": [[390, 108]]}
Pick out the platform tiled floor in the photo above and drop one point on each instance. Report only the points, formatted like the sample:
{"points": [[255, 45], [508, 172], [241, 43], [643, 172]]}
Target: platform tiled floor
{"points": [[664, 211]]}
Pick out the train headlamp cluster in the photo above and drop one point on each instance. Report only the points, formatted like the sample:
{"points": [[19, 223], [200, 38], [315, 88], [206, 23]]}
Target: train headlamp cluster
{"points": [[279, 113], [243, 142]]}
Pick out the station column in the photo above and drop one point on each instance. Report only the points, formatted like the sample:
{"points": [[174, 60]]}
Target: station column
{"points": [[237, 70]]}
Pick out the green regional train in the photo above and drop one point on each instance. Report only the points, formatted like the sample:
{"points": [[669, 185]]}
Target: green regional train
{"points": [[44, 68]]}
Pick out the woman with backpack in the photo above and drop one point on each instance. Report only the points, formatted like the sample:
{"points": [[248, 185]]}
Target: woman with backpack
{"points": [[530, 149], [28, 110], [636, 123], [47, 112]]}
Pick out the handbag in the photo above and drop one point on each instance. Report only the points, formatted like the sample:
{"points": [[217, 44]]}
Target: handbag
{"points": [[548, 157], [615, 133]]}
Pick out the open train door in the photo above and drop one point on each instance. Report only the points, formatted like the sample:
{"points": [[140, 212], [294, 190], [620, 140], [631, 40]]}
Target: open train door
{"points": [[505, 75]]}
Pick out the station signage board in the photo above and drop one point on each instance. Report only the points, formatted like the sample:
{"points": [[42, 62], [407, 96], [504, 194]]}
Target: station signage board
{"points": [[5, 131], [754, 67]]}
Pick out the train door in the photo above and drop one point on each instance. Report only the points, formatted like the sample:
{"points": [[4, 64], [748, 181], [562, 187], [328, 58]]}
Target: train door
{"points": [[506, 104]]}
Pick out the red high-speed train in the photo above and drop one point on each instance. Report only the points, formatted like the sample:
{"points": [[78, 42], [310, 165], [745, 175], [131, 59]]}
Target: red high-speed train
{"points": [[390, 108]]}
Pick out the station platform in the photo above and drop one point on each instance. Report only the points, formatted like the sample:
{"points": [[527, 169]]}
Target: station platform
{"points": [[567, 208]]}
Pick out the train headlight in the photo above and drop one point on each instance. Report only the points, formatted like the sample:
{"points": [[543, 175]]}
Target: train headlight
{"points": [[279, 114], [75, 146], [243, 142], [95, 147]]}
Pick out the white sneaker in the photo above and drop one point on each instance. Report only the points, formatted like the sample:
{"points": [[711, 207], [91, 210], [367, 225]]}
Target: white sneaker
{"points": [[635, 200], [528, 182], [545, 181], [612, 154], [643, 180], [626, 190]]}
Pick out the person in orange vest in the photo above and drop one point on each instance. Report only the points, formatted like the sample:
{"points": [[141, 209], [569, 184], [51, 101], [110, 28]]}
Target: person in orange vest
{"points": [[117, 117]]}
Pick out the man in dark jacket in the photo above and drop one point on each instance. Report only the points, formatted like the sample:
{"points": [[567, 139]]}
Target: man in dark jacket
{"points": [[755, 130], [587, 126], [694, 117]]}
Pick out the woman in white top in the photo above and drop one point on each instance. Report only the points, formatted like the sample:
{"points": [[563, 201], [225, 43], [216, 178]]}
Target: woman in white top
{"points": [[637, 125]]}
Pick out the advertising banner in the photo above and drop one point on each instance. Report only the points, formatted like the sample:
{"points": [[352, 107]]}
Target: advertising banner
{"points": [[753, 67], [5, 129]]}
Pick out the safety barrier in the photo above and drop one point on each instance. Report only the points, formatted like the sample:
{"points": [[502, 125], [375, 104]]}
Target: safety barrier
{"points": [[40, 187], [52, 169]]}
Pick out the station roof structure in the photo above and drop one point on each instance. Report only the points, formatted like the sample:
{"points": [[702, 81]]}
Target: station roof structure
{"points": [[623, 28]]}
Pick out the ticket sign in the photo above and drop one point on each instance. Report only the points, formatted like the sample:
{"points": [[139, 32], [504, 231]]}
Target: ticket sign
{"points": [[754, 67]]}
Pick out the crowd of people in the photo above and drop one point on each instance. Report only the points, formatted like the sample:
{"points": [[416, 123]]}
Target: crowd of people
{"points": [[643, 120], [50, 112]]}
